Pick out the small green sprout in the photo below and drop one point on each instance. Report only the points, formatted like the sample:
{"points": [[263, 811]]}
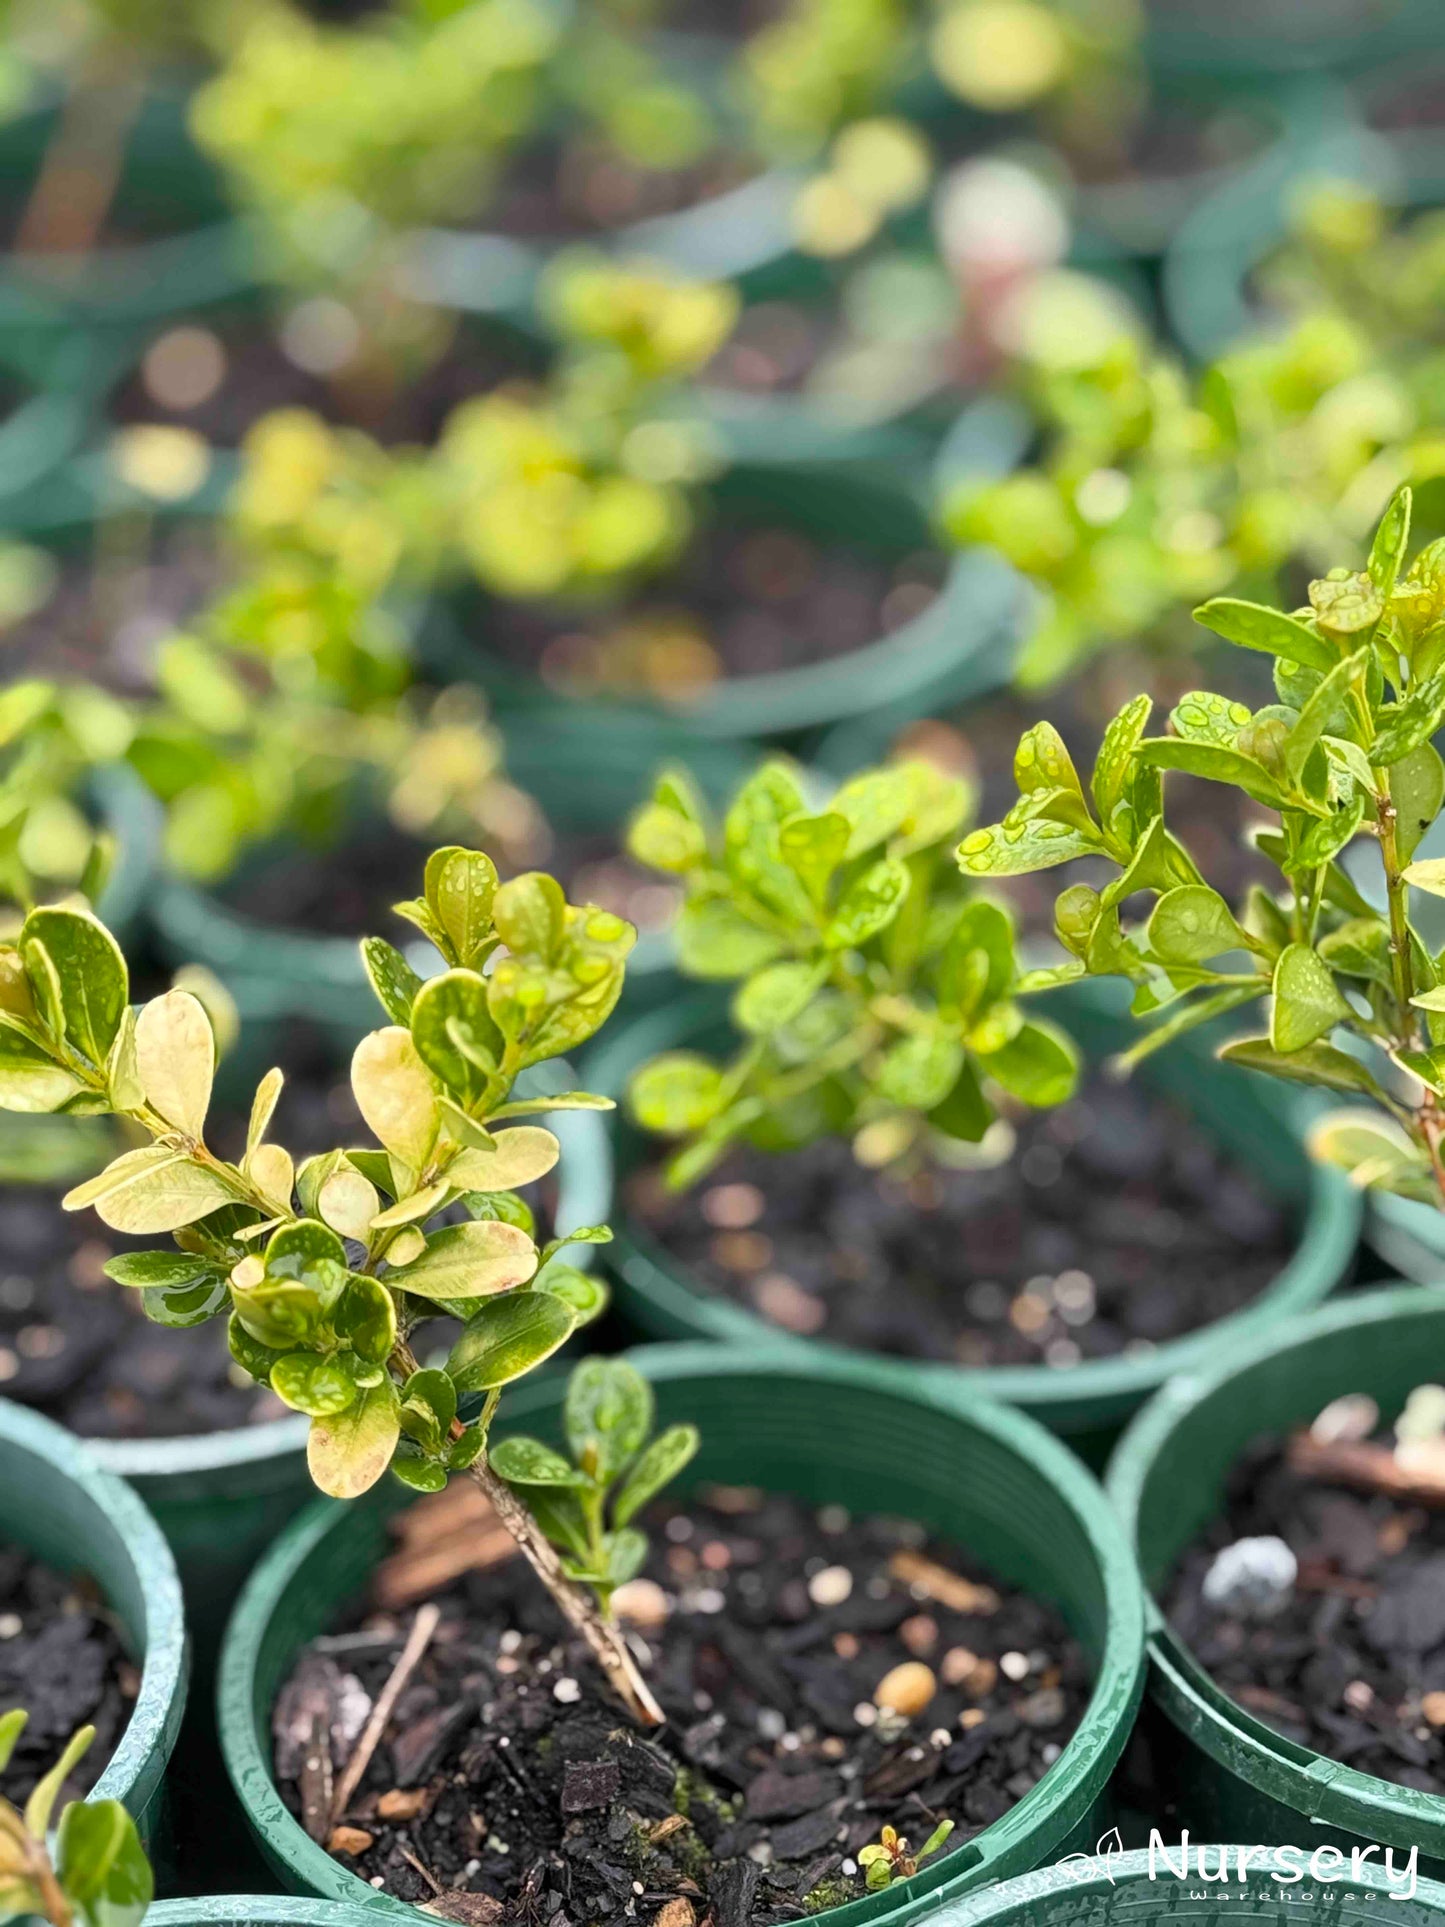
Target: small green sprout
{"points": [[96, 1875], [586, 1504], [889, 1859]]}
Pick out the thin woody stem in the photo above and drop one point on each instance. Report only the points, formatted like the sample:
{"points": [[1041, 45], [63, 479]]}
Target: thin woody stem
{"points": [[604, 1638], [1397, 892]]}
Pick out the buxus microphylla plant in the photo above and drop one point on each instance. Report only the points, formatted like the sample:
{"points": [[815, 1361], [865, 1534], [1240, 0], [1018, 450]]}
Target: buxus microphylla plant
{"points": [[876, 990], [96, 1874], [1355, 993], [326, 1270]]}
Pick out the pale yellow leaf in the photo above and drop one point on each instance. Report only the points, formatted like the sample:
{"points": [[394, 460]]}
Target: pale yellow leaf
{"points": [[523, 1154], [405, 1246], [176, 1059], [270, 1169], [348, 1452], [263, 1107], [348, 1202], [412, 1210], [395, 1094], [248, 1273], [470, 1260], [152, 1190]]}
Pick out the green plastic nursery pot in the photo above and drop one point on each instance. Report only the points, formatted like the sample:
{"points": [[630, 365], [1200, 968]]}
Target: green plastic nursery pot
{"points": [[1207, 270], [829, 1429], [1128, 1890], [1085, 1403], [959, 646], [57, 1502], [222, 1497], [1233, 1778], [1410, 1237], [258, 1910]]}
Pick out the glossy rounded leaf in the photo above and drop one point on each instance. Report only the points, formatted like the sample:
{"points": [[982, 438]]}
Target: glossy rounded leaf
{"points": [[668, 1453], [607, 1413], [175, 1054], [367, 1316], [470, 1260], [312, 1384], [523, 1461], [523, 1154], [348, 1452], [507, 1338], [395, 1094]]}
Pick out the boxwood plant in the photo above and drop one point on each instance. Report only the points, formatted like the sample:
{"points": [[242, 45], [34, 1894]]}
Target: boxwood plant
{"points": [[97, 1874], [327, 1270], [876, 988], [1354, 992]]}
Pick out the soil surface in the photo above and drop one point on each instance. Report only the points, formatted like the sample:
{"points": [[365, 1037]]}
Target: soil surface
{"points": [[1113, 1227], [509, 1787], [743, 600], [62, 1659], [82, 1350], [1350, 1665], [585, 187]]}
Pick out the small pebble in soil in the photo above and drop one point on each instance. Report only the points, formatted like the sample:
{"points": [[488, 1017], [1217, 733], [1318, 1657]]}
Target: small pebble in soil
{"points": [[1142, 1233], [61, 1658], [1253, 1578], [1352, 1664], [796, 1728]]}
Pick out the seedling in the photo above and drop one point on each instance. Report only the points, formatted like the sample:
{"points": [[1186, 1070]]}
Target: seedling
{"points": [[889, 1859], [325, 1271], [876, 996], [1355, 992], [96, 1873]]}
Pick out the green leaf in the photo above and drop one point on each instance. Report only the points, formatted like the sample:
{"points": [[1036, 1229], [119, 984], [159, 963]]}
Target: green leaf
{"points": [[30, 1079], [664, 839], [677, 1093], [1359, 948], [1392, 538], [1375, 1151], [1038, 1065], [1320, 711], [1042, 762], [1252, 626], [506, 1337], [1203, 717], [875, 805], [141, 1268], [1417, 787], [152, 1189], [428, 1407], [774, 997], [471, 1260], [281, 1317], [868, 905], [658, 1466], [461, 888], [1116, 755], [1428, 874], [1307, 1002], [813, 847], [1318, 1064], [564, 1101], [1215, 764], [12, 1725], [46, 1791], [1011, 849], [1192, 924], [1345, 604], [522, 1461], [391, 977], [101, 1865], [308, 1251], [309, 1383], [976, 965], [1188, 1017], [422, 1475], [395, 1095], [919, 1070], [626, 1555], [348, 1451], [455, 1034], [182, 1307], [1324, 840], [531, 916], [79, 957], [607, 1415], [467, 1448], [584, 1294], [716, 942]]}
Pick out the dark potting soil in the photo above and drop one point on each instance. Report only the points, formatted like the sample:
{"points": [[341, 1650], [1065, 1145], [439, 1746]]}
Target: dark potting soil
{"points": [[63, 1660], [1349, 1666], [742, 600], [1113, 1227], [349, 891], [509, 1786], [81, 1349], [584, 187]]}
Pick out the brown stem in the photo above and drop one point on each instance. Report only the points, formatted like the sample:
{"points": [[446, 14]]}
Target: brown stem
{"points": [[1397, 892], [577, 1606], [78, 177]]}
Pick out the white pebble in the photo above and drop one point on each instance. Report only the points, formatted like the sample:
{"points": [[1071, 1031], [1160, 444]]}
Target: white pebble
{"points": [[567, 1691], [831, 1586], [1253, 1578], [1014, 1666], [771, 1723], [10, 1625], [865, 1712]]}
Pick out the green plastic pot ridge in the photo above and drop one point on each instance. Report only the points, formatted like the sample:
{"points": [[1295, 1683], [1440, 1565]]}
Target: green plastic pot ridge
{"points": [[830, 1429], [1088, 1402], [221, 1497], [1234, 1777], [1127, 1890], [258, 1910], [61, 1506]]}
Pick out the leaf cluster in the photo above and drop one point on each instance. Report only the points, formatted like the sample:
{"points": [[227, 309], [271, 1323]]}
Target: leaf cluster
{"points": [[96, 1875], [1352, 987], [873, 984]]}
